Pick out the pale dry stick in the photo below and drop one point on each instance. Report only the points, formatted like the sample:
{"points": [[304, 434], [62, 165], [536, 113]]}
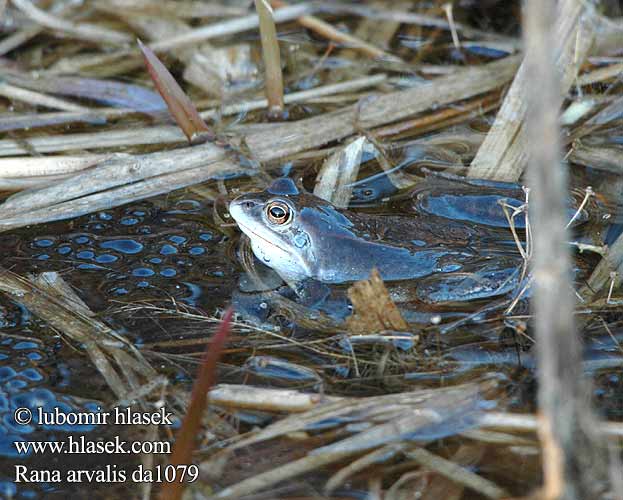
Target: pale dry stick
{"points": [[526, 254], [456, 472], [51, 165], [584, 247], [283, 140], [117, 171], [48, 297], [611, 335], [145, 188], [384, 453], [130, 58], [277, 400], [576, 467], [391, 417], [165, 134], [587, 195], [38, 99], [520, 422], [354, 85], [36, 120], [273, 78], [278, 474], [173, 8], [84, 31], [613, 279], [612, 261], [230, 27], [264, 399], [455, 37], [502, 156], [553, 461], [510, 217], [22, 183], [326, 30], [20, 37], [600, 74], [598, 157]]}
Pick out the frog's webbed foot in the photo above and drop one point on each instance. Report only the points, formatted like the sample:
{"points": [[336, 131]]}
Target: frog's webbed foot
{"points": [[462, 286]]}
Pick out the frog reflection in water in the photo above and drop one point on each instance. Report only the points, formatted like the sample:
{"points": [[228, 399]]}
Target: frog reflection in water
{"points": [[301, 236]]}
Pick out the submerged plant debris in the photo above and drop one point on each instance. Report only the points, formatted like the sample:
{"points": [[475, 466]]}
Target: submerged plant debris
{"points": [[376, 137]]}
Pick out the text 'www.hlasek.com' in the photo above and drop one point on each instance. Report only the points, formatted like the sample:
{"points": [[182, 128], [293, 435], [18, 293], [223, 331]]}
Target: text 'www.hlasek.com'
{"points": [[82, 445]]}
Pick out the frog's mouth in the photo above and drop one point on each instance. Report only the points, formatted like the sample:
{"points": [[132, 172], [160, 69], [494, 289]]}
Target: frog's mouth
{"points": [[246, 229]]}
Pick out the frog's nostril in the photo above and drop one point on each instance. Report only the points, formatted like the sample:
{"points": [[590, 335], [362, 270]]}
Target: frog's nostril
{"points": [[248, 204]]}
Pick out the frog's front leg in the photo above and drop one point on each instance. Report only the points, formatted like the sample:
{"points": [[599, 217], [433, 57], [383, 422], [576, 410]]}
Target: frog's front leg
{"points": [[481, 281]]}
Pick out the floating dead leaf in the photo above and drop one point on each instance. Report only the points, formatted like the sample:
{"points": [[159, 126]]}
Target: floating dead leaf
{"points": [[373, 308]]}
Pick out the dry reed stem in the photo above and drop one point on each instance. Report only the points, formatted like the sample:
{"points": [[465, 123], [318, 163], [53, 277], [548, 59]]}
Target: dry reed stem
{"points": [[273, 78], [391, 417], [116, 182], [15, 168], [502, 155], [287, 139], [229, 27], [564, 394]]}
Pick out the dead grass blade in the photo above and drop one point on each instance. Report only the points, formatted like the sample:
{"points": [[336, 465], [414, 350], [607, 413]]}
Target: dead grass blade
{"points": [[191, 425], [180, 106]]}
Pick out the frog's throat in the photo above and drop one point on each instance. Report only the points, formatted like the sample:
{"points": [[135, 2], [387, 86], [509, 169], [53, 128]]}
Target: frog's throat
{"points": [[247, 228]]}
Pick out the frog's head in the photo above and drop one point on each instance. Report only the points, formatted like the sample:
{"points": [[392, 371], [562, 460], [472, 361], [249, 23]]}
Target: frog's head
{"points": [[280, 236]]}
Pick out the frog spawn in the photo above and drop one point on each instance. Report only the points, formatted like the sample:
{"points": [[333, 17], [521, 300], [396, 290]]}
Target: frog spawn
{"points": [[135, 252], [23, 384], [138, 250]]}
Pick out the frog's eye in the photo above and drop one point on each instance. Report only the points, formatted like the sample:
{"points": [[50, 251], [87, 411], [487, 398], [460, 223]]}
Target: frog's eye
{"points": [[278, 212]]}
